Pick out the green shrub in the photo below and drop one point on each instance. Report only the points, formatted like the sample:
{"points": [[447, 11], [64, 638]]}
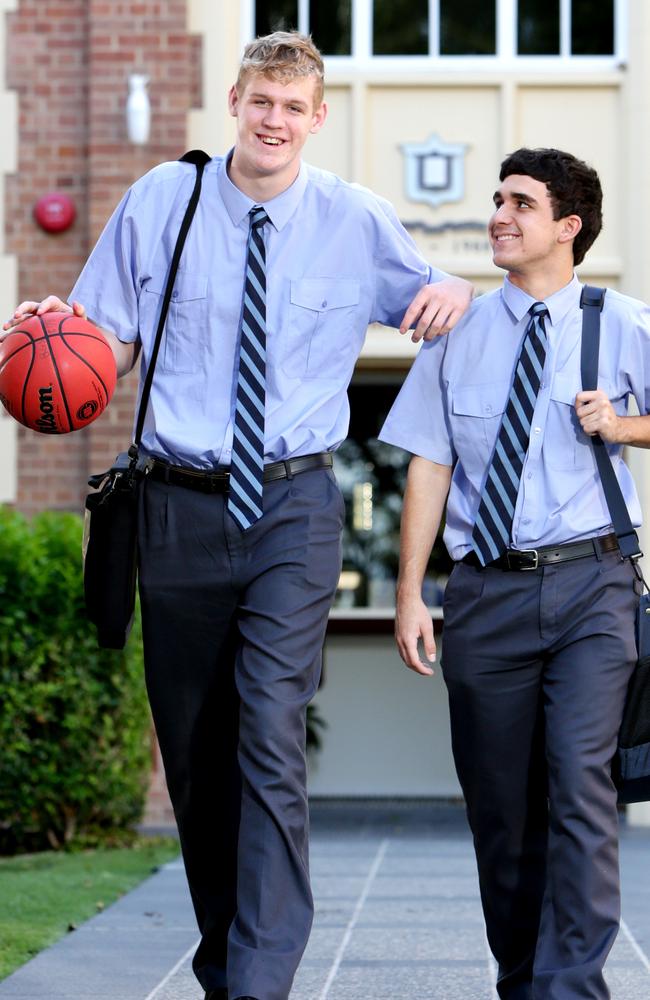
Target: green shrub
{"points": [[74, 723]]}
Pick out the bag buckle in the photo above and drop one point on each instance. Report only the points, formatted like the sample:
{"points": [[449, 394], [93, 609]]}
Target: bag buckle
{"points": [[522, 559]]}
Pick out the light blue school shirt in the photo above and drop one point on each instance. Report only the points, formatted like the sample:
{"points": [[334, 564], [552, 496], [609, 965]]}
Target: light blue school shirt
{"points": [[338, 259], [450, 407]]}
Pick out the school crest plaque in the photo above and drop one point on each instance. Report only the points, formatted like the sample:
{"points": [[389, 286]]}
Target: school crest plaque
{"points": [[434, 171]]}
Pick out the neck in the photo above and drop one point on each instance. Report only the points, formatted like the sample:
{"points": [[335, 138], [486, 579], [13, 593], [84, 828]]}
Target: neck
{"points": [[260, 188], [542, 285]]}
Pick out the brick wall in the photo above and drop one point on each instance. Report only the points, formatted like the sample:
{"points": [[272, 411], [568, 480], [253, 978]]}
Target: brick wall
{"points": [[69, 61]]}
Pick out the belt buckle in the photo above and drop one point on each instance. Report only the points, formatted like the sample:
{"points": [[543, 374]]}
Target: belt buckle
{"points": [[523, 553]]}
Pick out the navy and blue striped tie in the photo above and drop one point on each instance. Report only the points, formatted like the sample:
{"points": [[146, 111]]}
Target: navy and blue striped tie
{"points": [[491, 534], [247, 463]]}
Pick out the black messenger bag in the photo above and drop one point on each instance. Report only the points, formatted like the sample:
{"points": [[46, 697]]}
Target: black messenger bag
{"points": [[631, 765], [110, 548]]}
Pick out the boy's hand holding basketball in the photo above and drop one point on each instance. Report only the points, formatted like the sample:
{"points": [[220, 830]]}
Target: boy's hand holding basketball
{"points": [[49, 304], [124, 354]]}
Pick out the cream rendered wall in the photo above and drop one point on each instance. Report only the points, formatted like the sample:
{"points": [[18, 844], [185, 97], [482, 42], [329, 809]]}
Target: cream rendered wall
{"points": [[604, 118], [211, 127], [8, 269], [387, 728]]}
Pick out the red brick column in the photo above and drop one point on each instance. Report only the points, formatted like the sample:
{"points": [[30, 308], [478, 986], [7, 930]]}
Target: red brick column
{"points": [[70, 61]]}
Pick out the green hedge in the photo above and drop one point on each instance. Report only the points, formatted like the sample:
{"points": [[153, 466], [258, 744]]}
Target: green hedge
{"points": [[74, 722]]}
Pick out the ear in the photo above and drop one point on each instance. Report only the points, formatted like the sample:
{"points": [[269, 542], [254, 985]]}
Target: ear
{"points": [[233, 100], [570, 226], [318, 120]]}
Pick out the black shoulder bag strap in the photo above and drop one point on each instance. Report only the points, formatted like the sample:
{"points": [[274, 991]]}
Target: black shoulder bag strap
{"points": [[591, 303], [199, 159]]}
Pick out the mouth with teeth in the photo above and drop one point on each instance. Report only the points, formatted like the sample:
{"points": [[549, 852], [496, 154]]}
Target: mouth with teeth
{"points": [[505, 237], [270, 140]]}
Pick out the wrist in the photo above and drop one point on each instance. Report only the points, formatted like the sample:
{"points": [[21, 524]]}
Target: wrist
{"points": [[409, 589]]}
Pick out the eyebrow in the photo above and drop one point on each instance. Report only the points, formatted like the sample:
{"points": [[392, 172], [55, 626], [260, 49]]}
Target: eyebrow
{"points": [[266, 97], [515, 196]]}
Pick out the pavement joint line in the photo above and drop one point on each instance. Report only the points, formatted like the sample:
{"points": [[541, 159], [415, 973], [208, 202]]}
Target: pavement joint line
{"points": [[374, 868], [636, 947], [172, 972]]}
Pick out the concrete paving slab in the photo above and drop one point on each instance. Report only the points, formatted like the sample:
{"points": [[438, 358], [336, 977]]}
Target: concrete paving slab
{"points": [[397, 917]]}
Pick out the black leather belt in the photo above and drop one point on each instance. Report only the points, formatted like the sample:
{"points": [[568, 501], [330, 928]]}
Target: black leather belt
{"points": [[217, 480], [527, 559]]}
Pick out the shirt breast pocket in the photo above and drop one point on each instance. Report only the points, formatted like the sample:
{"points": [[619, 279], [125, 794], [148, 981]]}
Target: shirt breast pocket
{"points": [[476, 414], [322, 341], [566, 446], [185, 330]]}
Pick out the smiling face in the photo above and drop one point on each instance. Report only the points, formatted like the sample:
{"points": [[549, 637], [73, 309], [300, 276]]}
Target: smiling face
{"points": [[274, 119], [526, 240]]}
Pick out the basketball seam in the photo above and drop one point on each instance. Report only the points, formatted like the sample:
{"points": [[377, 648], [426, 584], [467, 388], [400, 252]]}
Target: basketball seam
{"points": [[88, 365], [57, 373]]}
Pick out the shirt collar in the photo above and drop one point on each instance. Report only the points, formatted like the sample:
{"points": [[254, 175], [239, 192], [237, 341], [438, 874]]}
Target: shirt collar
{"points": [[279, 209], [558, 304]]}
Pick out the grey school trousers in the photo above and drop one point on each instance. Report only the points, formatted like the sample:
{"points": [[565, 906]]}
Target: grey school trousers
{"points": [[537, 666], [234, 624]]}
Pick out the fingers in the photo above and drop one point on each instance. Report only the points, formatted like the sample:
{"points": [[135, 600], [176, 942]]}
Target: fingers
{"points": [[31, 308], [52, 304], [441, 323], [437, 308], [79, 310], [597, 415], [414, 311], [22, 311], [407, 635], [429, 317]]}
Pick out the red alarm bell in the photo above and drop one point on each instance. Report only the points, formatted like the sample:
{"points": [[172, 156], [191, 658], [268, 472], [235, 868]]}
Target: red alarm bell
{"points": [[55, 212]]}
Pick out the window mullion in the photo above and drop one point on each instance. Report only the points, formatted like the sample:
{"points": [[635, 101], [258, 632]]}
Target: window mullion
{"points": [[434, 28], [303, 16], [565, 28], [247, 22], [362, 29], [506, 29]]}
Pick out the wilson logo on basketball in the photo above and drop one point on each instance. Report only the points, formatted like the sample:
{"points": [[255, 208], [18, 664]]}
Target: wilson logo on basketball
{"points": [[47, 421], [87, 410]]}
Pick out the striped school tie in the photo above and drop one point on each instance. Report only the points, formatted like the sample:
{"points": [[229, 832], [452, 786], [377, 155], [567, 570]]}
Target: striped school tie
{"points": [[247, 462], [491, 533]]}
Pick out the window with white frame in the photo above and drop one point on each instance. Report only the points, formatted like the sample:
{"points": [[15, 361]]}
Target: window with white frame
{"points": [[501, 29]]}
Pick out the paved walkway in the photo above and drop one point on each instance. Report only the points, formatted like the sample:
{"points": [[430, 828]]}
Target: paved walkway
{"points": [[397, 918]]}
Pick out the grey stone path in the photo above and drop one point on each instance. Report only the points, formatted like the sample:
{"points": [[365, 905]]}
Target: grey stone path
{"points": [[397, 918]]}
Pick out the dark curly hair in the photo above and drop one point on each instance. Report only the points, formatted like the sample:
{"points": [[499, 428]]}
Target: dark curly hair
{"points": [[573, 186]]}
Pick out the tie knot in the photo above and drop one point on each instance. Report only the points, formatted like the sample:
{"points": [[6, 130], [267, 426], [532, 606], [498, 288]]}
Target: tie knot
{"points": [[258, 216], [538, 309]]}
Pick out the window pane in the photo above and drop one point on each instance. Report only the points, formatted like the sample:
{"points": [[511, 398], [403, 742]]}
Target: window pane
{"points": [[539, 28], [275, 15], [468, 28], [400, 28], [592, 27], [372, 476], [330, 25]]}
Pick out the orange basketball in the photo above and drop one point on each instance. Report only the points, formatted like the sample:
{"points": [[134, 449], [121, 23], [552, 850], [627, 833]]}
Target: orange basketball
{"points": [[57, 372]]}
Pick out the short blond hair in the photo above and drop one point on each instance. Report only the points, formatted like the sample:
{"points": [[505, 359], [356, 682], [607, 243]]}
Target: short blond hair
{"points": [[283, 56]]}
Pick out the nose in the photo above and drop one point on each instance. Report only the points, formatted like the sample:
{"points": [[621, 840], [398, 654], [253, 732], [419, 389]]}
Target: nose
{"points": [[273, 116], [501, 214]]}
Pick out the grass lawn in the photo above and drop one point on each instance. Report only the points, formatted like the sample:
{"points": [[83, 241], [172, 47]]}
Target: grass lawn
{"points": [[45, 895]]}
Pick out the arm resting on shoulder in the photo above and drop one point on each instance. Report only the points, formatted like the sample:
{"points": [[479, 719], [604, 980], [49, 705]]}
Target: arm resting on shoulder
{"points": [[424, 503], [437, 308]]}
